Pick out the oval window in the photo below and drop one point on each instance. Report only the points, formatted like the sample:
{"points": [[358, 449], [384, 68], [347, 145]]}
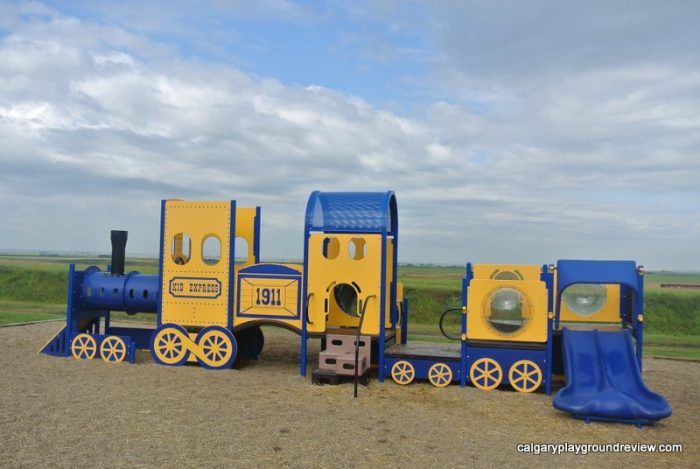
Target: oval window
{"points": [[242, 255], [585, 299], [331, 248], [211, 250], [357, 248], [507, 311], [181, 249]]}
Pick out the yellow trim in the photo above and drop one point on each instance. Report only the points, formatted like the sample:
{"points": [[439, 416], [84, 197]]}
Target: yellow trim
{"points": [[486, 374], [89, 347], [176, 341], [525, 377], [188, 346], [211, 346], [116, 344], [403, 372], [440, 375]]}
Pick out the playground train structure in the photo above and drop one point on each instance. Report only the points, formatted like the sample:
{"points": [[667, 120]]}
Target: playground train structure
{"points": [[521, 325]]}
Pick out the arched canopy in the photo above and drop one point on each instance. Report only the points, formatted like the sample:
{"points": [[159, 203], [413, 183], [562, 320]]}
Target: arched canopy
{"points": [[570, 272], [352, 212]]}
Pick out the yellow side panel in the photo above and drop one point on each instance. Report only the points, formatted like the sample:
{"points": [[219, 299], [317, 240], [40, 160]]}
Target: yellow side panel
{"points": [[194, 292], [610, 312], [389, 276], [507, 272], [245, 228], [478, 310], [337, 266]]}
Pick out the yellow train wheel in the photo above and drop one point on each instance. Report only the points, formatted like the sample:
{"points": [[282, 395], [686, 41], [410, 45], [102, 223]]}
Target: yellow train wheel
{"points": [[218, 347], [403, 372], [168, 346], [486, 374], [525, 376], [83, 347], [440, 375], [113, 349]]}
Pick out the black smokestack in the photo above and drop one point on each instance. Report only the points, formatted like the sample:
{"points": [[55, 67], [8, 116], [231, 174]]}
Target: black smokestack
{"points": [[118, 251]]}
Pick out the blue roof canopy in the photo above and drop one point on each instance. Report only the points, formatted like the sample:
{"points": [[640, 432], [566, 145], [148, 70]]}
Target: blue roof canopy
{"points": [[570, 272], [354, 212]]}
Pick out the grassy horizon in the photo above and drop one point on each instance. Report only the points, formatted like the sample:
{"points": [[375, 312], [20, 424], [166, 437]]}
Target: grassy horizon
{"points": [[33, 288]]}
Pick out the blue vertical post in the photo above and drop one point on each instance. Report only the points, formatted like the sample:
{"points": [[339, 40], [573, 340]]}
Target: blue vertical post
{"points": [[548, 278], [382, 308], [159, 311], [305, 287], [69, 310], [464, 349], [394, 222], [256, 235], [305, 307], [638, 312]]}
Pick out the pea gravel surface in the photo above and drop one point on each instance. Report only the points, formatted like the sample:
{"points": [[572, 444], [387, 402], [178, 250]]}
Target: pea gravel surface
{"points": [[61, 412]]}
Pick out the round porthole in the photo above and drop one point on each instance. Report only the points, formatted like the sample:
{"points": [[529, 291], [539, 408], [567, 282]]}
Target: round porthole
{"points": [[585, 299], [506, 310]]}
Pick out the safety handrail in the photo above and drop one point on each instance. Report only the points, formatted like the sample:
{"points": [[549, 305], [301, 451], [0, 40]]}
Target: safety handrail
{"points": [[442, 318], [357, 338]]}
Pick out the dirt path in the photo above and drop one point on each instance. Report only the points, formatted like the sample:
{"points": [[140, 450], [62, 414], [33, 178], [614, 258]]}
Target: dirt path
{"points": [[68, 413]]}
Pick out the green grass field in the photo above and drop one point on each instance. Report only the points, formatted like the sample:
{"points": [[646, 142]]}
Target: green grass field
{"points": [[33, 288]]}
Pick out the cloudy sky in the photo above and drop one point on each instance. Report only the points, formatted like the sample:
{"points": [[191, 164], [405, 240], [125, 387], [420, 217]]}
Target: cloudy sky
{"points": [[511, 131]]}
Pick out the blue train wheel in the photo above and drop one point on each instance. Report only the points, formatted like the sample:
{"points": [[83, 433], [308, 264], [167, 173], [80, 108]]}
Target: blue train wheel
{"points": [[486, 374], [218, 348], [83, 347], [169, 346], [113, 349], [525, 376], [440, 375], [403, 372]]}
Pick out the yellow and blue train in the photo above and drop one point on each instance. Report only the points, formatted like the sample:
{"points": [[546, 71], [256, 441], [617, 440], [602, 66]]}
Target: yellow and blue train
{"points": [[521, 325]]}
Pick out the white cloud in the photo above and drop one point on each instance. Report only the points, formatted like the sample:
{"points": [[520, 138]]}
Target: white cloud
{"points": [[99, 123]]}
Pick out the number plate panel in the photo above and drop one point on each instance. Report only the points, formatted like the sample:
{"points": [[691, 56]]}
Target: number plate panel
{"points": [[268, 296]]}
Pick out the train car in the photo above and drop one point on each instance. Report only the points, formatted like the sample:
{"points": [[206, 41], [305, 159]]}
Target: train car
{"points": [[521, 326], [506, 334], [212, 294]]}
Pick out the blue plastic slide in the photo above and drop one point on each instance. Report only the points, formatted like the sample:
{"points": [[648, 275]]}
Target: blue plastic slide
{"points": [[604, 382]]}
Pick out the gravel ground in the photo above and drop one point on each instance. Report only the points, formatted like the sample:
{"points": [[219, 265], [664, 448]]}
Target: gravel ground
{"points": [[68, 413]]}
